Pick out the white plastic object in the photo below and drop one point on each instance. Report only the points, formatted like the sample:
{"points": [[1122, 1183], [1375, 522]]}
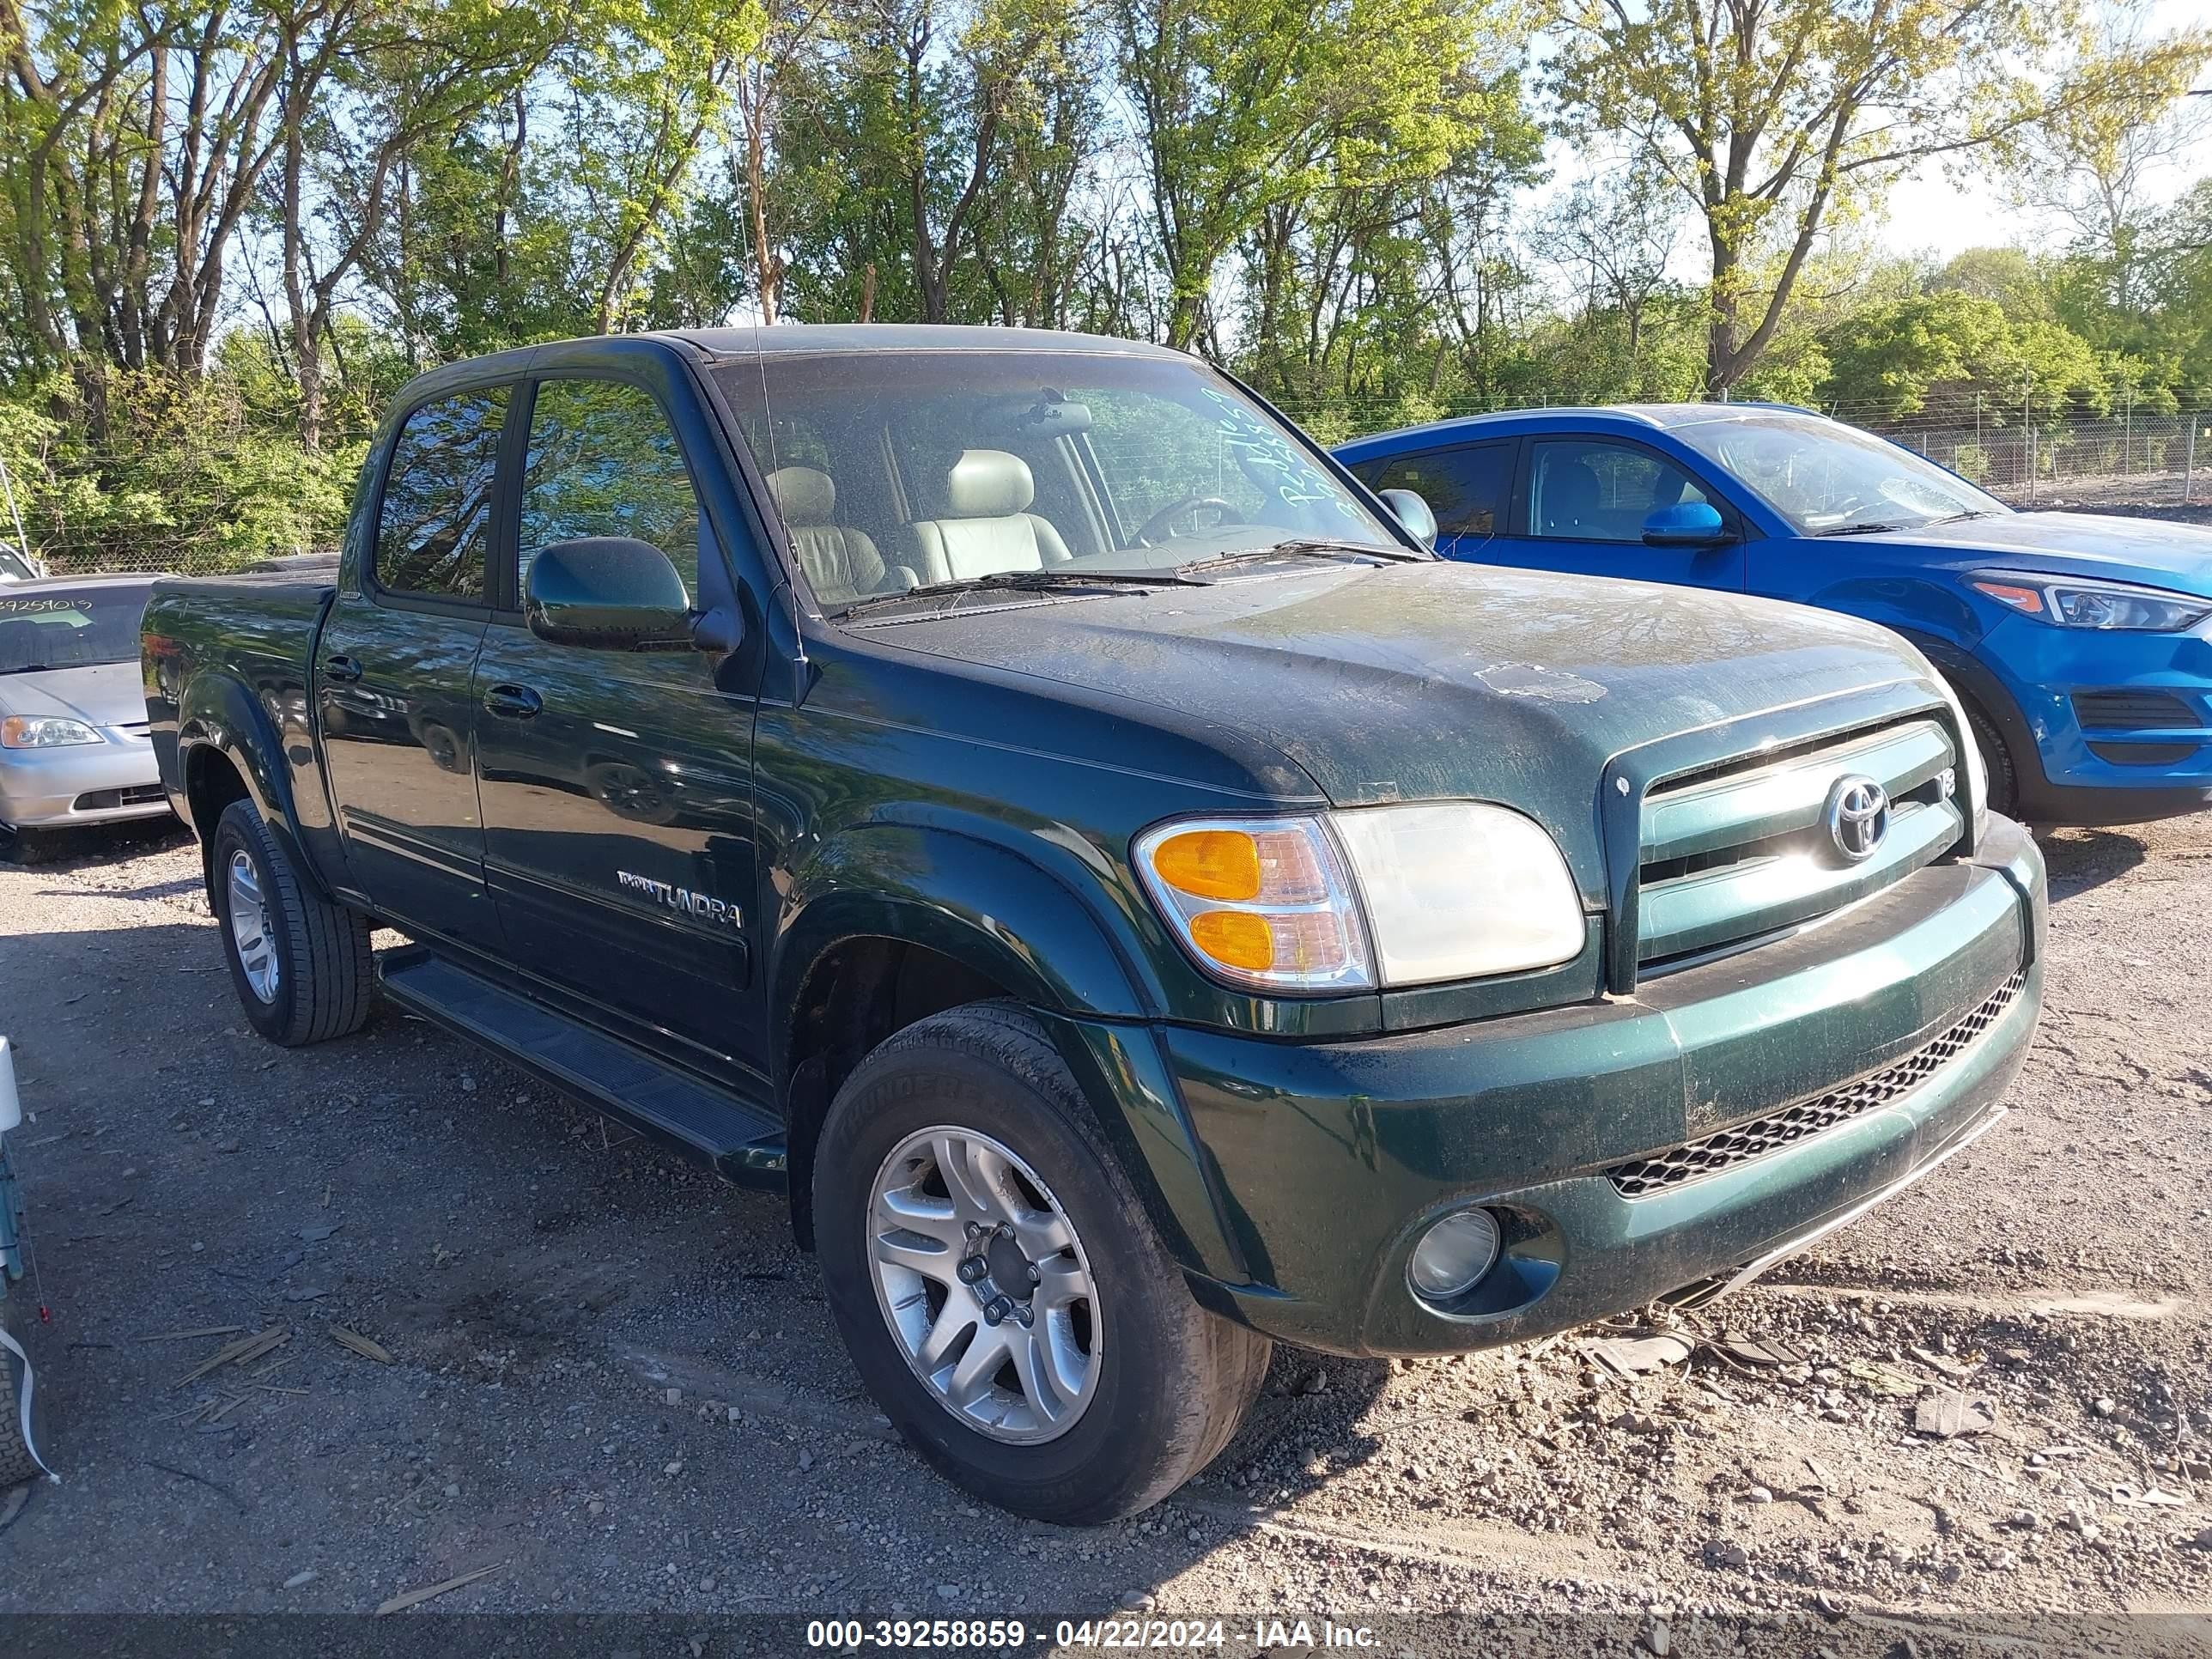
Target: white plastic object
{"points": [[11, 1108]]}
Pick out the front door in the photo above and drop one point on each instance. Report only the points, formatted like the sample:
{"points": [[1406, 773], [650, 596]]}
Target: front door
{"points": [[617, 785], [1467, 487], [394, 670], [1582, 505]]}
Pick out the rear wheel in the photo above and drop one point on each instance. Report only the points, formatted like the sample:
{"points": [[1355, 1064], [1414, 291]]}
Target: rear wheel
{"points": [[300, 965], [999, 1286]]}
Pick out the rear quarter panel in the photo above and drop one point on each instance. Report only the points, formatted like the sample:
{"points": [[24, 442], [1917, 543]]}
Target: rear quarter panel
{"points": [[226, 661]]}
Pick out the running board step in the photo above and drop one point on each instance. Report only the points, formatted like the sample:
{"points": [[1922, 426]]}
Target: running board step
{"points": [[731, 1136]]}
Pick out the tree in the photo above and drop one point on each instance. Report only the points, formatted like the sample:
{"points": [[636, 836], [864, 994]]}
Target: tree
{"points": [[2093, 165], [1895, 360], [364, 85], [1772, 115], [1243, 105], [763, 81], [1613, 234], [136, 138]]}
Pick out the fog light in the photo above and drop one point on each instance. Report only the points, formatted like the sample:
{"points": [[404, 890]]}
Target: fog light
{"points": [[1453, 1255]]}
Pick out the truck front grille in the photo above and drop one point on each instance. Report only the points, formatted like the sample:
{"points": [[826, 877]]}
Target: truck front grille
{"points": [[1732, 855], [1710, 1154]]}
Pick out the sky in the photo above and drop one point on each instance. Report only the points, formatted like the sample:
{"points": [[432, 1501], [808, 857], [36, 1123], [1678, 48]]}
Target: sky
{"points": [[1930, 212]]}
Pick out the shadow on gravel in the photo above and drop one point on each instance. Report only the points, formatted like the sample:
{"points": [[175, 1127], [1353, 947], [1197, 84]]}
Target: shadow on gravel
{"points": [[1305, 1430], [2080, 859]]}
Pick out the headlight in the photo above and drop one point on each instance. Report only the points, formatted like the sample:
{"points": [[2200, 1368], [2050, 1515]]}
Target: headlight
{"points": [[1381, 896], [29, 732], [2068, 603], [1972, 764]]}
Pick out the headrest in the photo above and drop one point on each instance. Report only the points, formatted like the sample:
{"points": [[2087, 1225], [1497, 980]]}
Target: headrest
{"points": [[988, 483], [802, 495]]}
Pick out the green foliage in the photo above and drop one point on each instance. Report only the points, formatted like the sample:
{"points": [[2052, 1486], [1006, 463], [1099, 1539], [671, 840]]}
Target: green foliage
{"points": [[119, 469]]}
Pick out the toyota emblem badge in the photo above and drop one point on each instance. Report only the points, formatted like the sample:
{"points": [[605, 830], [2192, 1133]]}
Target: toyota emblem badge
{"points": [[1858, 818]]}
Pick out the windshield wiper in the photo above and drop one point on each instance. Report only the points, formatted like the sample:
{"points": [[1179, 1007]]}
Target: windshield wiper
{"points": [[1027, 581], [1961, 518], [29, 668], [1300, 547], [1867, 529]]}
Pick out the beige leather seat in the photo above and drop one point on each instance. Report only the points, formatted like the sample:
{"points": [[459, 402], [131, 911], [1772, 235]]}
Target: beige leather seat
{"points": [[991, 529], [843, 564]]}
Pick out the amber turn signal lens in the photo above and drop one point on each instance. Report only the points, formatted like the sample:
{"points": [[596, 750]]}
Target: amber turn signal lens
{"points": [[1234, 939], [1261, 902], [1215, 864], [2026, 600]]}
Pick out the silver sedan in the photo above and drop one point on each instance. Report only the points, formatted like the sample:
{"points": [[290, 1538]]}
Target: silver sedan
{"points": [[73, 743]]}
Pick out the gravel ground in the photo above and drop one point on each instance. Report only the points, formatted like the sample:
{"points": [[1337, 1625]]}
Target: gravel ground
{"points": [[613, 1382]]}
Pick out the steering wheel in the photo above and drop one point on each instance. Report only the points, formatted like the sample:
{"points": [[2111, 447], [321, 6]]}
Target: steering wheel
{"points": [[1156, 527]]}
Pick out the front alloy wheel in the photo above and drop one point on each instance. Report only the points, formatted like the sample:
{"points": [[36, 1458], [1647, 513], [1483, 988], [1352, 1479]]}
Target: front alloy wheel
{"points": [[982, 1279], [1003, 1293]]}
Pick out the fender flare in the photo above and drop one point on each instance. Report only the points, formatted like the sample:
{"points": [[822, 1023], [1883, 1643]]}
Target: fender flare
{"points": [[218, 713], [965, 897], [971, 897]]}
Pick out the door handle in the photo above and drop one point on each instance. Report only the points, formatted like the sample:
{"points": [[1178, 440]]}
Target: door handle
{"points": [[513, 702], [341, 668]]}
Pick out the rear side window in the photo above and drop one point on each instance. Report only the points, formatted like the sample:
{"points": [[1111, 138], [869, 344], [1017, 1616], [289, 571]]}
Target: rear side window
{"points": [[433, 533], [604, 462], [1465, 488]]}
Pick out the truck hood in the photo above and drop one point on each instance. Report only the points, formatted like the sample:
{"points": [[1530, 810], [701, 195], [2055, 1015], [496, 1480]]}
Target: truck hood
{"points": [[2150, 551], [1435, 680], [98, 694]]}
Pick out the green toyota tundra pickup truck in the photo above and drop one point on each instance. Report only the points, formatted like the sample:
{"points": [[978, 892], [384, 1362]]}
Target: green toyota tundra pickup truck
{"points": [[1015, 794]]}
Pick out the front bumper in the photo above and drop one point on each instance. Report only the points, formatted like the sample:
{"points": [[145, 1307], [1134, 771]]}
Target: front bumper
{"points": [[2117, 769], [114, 779], [1325, 1162]]}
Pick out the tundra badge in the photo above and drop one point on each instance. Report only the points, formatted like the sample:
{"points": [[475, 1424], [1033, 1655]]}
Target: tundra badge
{"points": [[705, 906]]}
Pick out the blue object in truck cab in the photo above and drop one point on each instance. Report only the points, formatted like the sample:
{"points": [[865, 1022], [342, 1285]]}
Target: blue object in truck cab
{"points": [[2082, 644]]}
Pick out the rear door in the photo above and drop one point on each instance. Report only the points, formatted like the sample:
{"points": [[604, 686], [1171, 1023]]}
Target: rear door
{"points": [[617, 785], [1580, 504], [394, 668]]}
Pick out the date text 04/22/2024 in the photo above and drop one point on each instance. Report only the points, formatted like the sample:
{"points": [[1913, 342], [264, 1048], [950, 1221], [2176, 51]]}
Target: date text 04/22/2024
{"points": [[1011, 1635]]}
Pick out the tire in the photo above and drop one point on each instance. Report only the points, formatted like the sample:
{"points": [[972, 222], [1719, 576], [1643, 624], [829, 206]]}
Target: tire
{"points": [[324, 978], [1996, 759], [28, 847], [1168, 1383], [16, 1463]]}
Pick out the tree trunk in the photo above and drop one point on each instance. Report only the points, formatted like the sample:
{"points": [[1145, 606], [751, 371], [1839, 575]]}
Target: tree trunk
{"points": [[1723, 361]]}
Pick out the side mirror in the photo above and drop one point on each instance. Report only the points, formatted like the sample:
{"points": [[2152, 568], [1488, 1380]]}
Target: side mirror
{"points": [[1685, 524], [611, 592], [1413, 513]]}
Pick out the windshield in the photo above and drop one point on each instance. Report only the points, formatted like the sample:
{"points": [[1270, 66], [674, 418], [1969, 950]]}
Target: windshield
{"points": [[68, 628], [914, 469], [1821, 476], [12, 568]]}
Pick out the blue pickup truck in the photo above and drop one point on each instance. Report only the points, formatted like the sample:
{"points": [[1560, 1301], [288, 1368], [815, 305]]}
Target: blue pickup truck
{"points": [[2081, 646]]}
